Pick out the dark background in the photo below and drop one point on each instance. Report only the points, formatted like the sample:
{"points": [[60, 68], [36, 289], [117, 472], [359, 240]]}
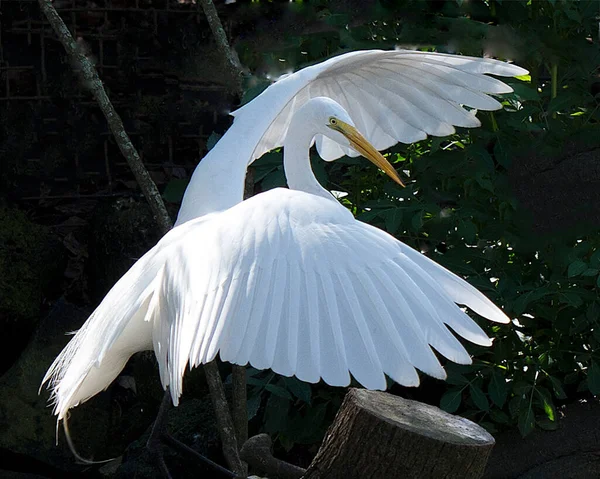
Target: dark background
{"points": [[512, 206]]}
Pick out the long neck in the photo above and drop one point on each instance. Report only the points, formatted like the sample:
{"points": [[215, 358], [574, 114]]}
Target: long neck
{"points": [[218, 181], [296, 159]]}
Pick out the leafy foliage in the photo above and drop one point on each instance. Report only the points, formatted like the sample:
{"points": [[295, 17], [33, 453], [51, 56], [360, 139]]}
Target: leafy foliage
{"points": [[461, 208]]}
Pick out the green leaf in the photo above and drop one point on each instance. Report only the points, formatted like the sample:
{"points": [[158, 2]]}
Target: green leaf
{"points": [[212, 140], [572, 298], [483, 180], [298, 388], [274, 179], [502, 155], [524, 92], [499, 416], [467, 230], [252, 406], [547, 425], [590, 272], [479, 398], [559, 392], [576, 268], [278, 391], [521, 388], [417, 221], [514, 405], [522, 302], [316, 415], [254, 91], [393, 219], [256, 382], [598, 281], [593, 378], [451, 400], [546, 401], [456, 379], [595, 259], [526, 421], [276, 414], [497, 389], [175, 189]]}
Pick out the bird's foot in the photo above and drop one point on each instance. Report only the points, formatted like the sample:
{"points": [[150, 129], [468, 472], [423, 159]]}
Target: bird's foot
{"points": [[159, 437]]}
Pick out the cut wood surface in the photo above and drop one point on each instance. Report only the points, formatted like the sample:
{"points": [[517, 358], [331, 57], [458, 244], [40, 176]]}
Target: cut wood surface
{"points": [[377, 435]]}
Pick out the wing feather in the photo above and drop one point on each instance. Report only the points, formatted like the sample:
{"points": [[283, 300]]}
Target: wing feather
{"points": [[307, 290], [363, 360], [427, 84]]}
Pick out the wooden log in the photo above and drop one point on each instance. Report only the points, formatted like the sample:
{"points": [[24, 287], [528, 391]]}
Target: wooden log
{"points": [[376, 435]]}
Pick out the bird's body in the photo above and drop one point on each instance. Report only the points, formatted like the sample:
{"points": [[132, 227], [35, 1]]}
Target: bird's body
{"points": [[287, 280]]}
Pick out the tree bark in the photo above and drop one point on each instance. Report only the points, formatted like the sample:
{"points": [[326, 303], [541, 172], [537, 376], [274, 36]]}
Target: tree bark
{"points": [[376, 435], [224, 421]]}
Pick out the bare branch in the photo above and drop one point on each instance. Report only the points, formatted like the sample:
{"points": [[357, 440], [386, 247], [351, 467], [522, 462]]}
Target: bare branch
{"points": [[224, 422], [94, 84], [239, 408], [257, 452], [232, 60], [238, 403]]}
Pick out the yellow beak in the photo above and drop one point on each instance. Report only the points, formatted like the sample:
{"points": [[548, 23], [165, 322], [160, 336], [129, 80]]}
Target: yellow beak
{"points": [[361, 145]]}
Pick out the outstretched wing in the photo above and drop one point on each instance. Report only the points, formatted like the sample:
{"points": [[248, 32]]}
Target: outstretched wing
{"points": [[392, 96], [291, 281]]}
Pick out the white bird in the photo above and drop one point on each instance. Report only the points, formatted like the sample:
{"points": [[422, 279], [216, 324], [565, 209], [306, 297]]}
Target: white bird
{"points": [[289, 279]]}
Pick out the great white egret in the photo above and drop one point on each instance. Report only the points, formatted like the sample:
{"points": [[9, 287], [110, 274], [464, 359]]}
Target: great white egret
{"points": [[288, 279]]}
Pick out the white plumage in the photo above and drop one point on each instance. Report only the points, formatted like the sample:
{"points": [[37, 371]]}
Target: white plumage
{"points": [[407, 96], [289, 280]]}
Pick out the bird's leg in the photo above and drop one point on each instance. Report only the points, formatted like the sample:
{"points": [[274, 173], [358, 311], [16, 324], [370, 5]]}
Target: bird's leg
{"points": [[159, 436], [154, 444]]}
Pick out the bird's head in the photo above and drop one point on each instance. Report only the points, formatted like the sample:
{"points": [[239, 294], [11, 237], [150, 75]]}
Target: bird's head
{"points": [[334, 122]]}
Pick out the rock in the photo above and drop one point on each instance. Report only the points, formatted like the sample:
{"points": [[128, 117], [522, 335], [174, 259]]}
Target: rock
{"points": [[19, 475], [193, 423], [121, 232], [32, 262], [101, 428], [570, 452]]}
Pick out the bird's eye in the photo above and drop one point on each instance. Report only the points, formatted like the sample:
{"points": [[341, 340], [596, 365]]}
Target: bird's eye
{"points": [[332, 121]]}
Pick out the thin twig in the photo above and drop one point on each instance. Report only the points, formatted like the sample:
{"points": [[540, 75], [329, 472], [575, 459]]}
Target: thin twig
{"points": [[93, 83], [232, 60]]}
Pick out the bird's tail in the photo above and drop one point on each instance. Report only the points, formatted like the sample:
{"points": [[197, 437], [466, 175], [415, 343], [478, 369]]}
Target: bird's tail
{"points": [[98, 352]]}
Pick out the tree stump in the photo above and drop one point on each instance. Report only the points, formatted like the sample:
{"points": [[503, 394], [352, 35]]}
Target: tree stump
{"points": [[376, 435]]}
